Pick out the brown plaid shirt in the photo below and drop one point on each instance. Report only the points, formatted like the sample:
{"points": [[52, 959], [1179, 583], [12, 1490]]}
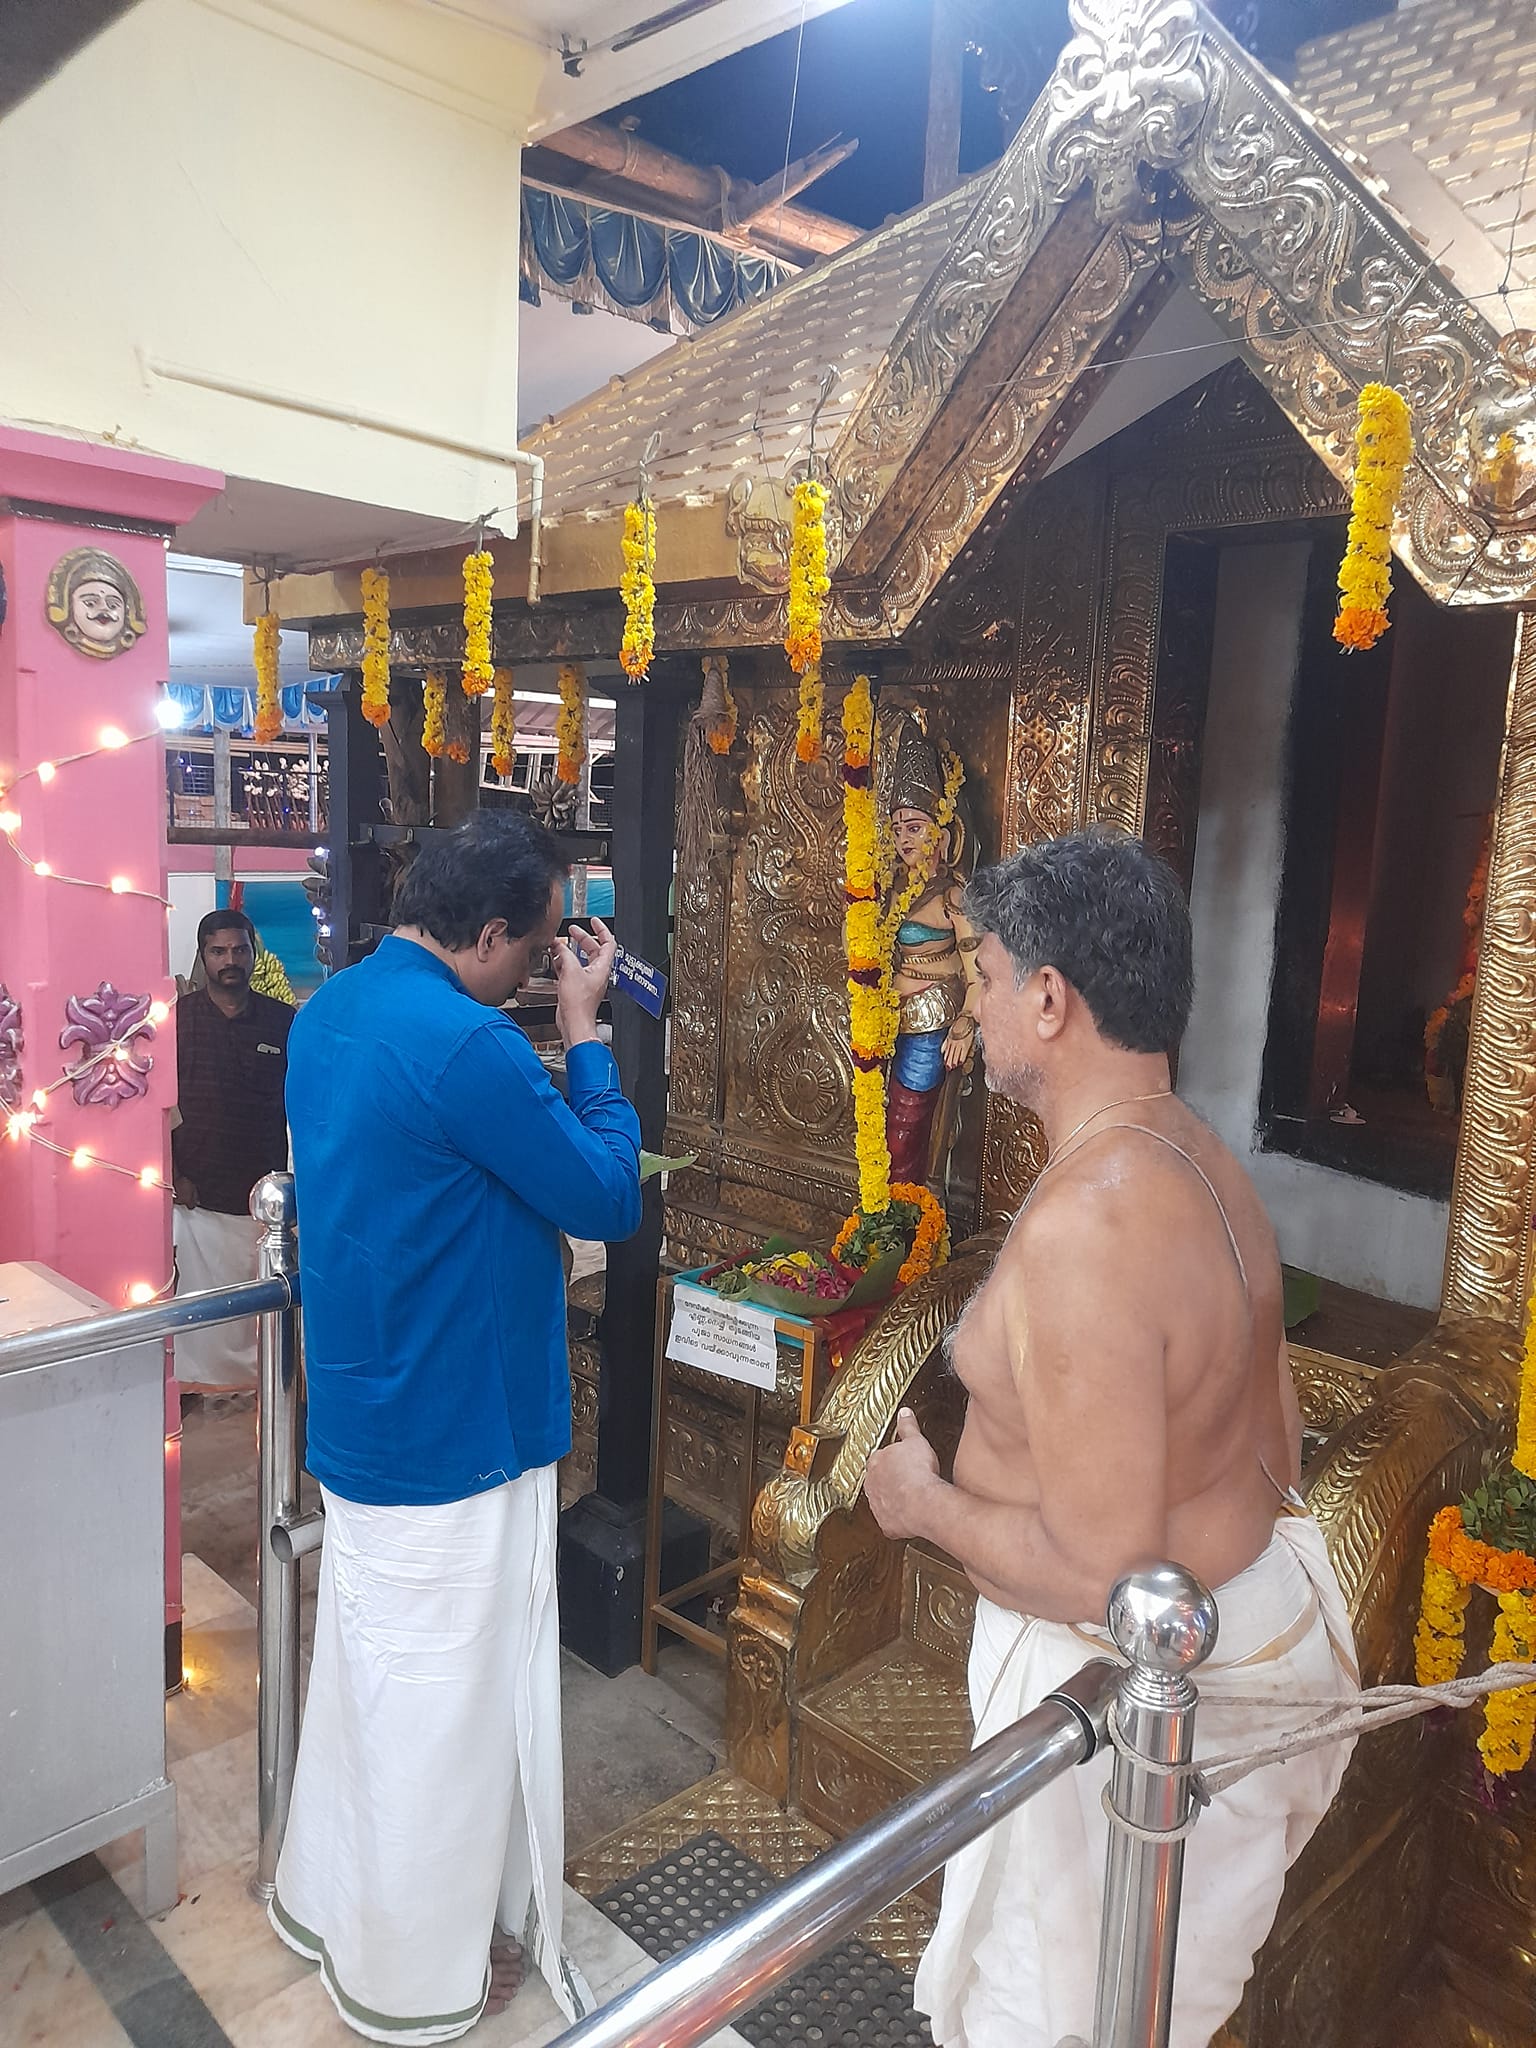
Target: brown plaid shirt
{"points": [[230, 1073]]}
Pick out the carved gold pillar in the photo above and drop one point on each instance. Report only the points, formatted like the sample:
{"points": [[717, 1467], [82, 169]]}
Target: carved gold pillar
{"points": [[1488, 1253]]}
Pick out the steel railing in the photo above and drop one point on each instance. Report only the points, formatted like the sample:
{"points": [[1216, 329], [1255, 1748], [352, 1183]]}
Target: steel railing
{"points": [[1161, 1621]]}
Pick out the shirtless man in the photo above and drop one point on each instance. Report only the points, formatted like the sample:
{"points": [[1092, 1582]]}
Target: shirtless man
{"points": [[1130, 1399]]}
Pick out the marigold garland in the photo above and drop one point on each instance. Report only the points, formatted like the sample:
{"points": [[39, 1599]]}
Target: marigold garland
{"points": [[479, 581], [1509, 1718], [808, 579], [637, 587], [930, 1241], [456, 750], [812, 701], [375, 703], [571, 724], [1524, 1459], [1383, 450], [269, 710], [1438, 1642], [434, 697], [503, 724], [721, 734]]}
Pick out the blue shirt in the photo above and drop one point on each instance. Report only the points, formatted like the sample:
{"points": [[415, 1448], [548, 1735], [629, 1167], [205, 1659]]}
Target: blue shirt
{"points": [[436, 1165]]}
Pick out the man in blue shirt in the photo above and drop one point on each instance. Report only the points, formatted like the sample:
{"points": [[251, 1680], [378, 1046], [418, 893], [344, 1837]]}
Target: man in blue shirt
{"points": [[437, 1167]]}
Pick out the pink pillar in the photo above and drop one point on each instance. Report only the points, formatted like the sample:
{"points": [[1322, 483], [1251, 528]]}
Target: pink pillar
{"points": [[97, 819]]}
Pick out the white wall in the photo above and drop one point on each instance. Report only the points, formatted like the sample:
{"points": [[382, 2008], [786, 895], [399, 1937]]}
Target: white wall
{"points": [[1348, 1230], [322, 201]]}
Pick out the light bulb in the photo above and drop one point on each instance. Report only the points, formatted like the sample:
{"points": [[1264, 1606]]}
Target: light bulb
{"points": [[18, 1124], [10, 821], [158, 1012], [46, 771], [149, 1178], [39, 1098], [80, 1157], [43, 868], [112, 736], [168, 713], [140, 1292], [120, 885]]}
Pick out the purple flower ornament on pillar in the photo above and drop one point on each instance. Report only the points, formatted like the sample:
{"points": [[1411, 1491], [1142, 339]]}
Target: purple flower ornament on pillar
{"points": [[11, 1043], [112, 1063]]}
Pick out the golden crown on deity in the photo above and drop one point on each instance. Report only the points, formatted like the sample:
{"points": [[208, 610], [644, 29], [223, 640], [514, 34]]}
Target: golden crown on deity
{"points": [[918, 781]]}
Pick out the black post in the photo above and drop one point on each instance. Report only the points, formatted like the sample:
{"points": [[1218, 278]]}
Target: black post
{"points": [[357, 894], [602, 1538]]}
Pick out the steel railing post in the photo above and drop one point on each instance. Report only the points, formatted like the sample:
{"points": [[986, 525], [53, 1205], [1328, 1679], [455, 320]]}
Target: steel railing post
{"points": [[1164, 1622], [281, 1532]]}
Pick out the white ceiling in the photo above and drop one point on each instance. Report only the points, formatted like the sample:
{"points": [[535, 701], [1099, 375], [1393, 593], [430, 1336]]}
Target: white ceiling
{"points": [[607, 79]]}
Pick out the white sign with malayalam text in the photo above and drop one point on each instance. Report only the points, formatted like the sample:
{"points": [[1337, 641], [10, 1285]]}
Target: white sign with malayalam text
{"points": [[733, 1339]]}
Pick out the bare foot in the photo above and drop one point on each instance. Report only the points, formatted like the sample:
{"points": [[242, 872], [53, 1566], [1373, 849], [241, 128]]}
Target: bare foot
{"points": [[509, 1966]]}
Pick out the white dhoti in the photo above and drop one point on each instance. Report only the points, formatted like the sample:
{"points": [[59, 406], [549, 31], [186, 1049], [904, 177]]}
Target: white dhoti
{"points": [[213, 1250], [1014, 1959], [427, 1802]]}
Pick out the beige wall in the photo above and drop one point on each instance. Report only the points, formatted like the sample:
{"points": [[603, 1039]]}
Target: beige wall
{"points": [[317, 197]]}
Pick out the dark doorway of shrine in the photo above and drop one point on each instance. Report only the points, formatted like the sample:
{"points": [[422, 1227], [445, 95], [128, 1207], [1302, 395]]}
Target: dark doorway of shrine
{"points": [[1330, 815]]}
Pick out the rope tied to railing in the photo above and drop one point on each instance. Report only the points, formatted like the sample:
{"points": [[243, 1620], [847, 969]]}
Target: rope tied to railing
{"points": [[1340, 1720]]}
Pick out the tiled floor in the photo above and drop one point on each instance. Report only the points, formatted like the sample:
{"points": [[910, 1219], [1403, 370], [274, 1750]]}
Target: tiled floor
{"points": [[80, 1968]]}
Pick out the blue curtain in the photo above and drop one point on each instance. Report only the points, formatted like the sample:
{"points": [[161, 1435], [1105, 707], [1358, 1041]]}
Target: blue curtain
{"points": [[203, 706], [640, 268]]}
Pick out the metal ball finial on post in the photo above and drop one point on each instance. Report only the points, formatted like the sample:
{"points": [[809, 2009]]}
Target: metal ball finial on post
{"points": [[1165, 1624]]}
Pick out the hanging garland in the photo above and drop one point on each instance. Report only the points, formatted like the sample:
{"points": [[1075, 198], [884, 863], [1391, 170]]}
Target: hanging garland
{"points": [[812, 703], [808, 580], [434, 696], [1488, 1542], [503, 724], [637, 587], [269, 710], [1383, 450], [571, 724], [721, 730], [479, 581], [375, 704]]}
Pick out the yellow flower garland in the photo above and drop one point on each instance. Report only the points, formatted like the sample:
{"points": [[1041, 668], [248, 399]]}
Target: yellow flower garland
{"points": [[571, 724], [1509, 1718], [1383, 450], [808, 580], [1438, 1641], [503, 724], [637, 587], [722, 730], [1456, 1563], [375, 704], [268, 722], [434, 695], [812, 702], [1524, 1460], [479, 581]]}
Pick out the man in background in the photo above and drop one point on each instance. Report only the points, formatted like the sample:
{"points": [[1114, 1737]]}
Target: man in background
{"points": [[231, 1066], [437, 1166]]}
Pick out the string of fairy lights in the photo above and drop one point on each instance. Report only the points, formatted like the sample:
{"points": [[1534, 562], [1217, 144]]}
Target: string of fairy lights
{"points": [[22, 1124]]}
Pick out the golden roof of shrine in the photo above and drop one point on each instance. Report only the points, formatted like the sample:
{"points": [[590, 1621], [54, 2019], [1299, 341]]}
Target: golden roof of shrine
{"points": [[1438, 100], [736, 397], [1344, 233]]}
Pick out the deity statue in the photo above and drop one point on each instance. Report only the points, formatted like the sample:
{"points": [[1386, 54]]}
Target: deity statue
{"points": [[934, 961], [94, 603]]}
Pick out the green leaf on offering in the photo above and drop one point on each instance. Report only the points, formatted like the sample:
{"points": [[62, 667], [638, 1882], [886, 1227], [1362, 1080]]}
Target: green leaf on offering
{"points": [[652, 1163]]}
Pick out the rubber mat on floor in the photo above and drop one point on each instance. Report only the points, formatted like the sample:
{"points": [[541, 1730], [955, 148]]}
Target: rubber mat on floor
{"points": [[848, 1998]]}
